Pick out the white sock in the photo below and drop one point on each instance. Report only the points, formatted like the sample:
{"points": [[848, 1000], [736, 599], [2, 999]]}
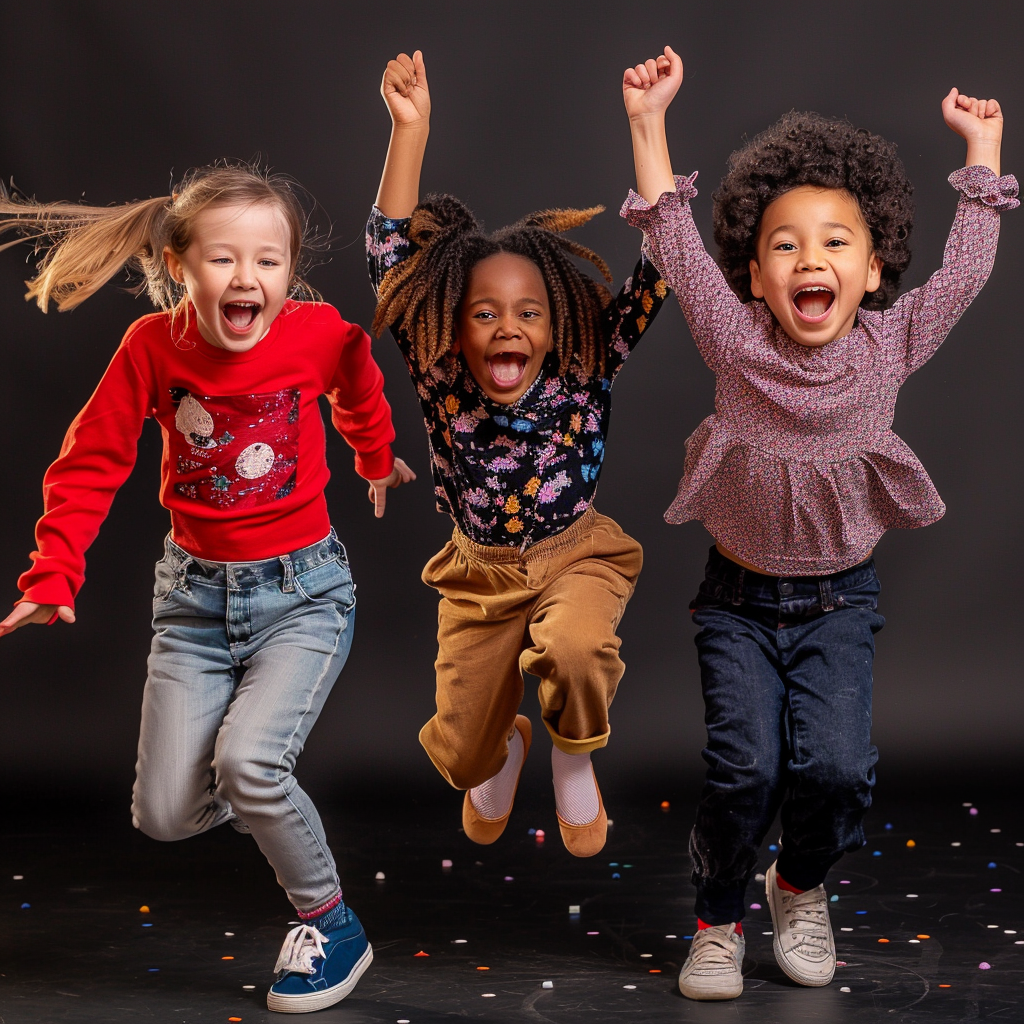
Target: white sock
{"points": [[575, 787], [493, 798]]}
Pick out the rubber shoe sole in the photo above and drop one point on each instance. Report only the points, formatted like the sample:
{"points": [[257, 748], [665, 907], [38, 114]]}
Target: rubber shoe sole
{"points": [[309, 1001], [774, 895]]}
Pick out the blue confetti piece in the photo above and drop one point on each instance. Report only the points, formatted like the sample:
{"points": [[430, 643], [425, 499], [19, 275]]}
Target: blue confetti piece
{"points": [[888, 828], [687, 936], [773, 847], [861, 911], [25, 906], [877, 853], [147, 925], [613, 864], [833, 899], [153, 970], [992, 864], [532, 832], [615, 874]]}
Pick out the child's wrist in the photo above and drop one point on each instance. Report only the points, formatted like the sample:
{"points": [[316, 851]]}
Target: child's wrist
{"points": [[421, 126]]}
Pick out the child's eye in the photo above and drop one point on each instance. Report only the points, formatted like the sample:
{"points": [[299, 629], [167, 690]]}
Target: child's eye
{"points": [[835, 243], [221, 260], [785, 247], [530, 314], [483, 315], [269, 263]]}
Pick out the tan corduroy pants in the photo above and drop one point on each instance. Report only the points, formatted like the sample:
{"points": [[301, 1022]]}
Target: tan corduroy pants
{"points": [[550, 610]]}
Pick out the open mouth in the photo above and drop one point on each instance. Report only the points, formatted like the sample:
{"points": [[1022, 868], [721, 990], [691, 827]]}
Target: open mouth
{"points": [[240, 315], [507, 368], [814, 302]]}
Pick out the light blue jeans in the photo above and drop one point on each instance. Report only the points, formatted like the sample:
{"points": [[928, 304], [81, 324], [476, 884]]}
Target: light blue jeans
{"points": [[243, 658]]}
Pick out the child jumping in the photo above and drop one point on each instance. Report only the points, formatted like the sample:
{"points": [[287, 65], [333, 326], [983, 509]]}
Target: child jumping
{"points": [[513, 352], [253, 607], [796, 476]]}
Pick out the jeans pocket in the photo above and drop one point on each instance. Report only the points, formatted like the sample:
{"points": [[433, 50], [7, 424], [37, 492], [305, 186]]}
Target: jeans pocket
{"points": [[330, 582], [712, 594], [165, 580]]}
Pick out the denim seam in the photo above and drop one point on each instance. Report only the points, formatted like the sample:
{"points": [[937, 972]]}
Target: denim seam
{"points": [[342, 626]]}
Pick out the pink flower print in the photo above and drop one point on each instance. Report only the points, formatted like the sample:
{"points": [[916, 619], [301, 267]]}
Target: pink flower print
{"points": [[503, 464], [465, 423], [477, 497], [580, 506], [550, 489], [593, 423]]}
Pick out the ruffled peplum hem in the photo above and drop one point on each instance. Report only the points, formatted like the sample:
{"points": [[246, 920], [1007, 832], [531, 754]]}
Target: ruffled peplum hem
{"points": [[801, 516]]}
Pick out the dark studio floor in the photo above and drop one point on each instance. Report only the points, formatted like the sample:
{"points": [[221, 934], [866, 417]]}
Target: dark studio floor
{"points": [[74, 945]]}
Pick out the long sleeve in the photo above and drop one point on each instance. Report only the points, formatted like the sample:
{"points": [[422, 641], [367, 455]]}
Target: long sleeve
{"points": [[922, 318], [632, 311], [716, 317], [98, 453], [359, 410]]}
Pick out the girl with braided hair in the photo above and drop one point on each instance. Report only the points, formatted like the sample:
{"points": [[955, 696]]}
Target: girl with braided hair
{"points": [[796, 476], [513, 351]]}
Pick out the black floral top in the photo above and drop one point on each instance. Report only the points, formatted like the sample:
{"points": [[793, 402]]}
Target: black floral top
{"points": [[511, 475]]}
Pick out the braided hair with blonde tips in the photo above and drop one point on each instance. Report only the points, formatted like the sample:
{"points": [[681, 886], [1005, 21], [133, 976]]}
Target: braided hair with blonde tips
{"points": [[421, 295]]}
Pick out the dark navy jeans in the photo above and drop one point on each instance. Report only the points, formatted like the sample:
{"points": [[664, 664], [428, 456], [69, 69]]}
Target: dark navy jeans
{"points": [[786, 672]]}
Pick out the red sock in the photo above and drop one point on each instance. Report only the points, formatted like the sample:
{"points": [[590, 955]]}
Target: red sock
{"points": [[701, 925], [783, 884]]}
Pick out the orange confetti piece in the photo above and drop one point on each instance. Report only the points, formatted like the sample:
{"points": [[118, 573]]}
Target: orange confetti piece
{"points": [[234, 1018], [143, 909], [483, 968], [421, 953], [911, 843], [945, 986], [227, 958], [924, 936], [665, 805], [883, 940], [654, 971]]}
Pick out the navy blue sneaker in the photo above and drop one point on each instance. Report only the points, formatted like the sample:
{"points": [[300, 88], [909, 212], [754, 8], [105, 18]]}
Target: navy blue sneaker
{"points": [[319, 968]]}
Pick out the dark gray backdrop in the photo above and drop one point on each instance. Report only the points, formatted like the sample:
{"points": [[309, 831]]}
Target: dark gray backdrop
{"points": [[109, 100]]}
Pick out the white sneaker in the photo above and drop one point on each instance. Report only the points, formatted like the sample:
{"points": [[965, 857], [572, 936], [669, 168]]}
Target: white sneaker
{"points": [[714, 968], [804, 946]]}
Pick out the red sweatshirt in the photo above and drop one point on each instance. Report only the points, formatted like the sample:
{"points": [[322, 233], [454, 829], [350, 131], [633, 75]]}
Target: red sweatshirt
{"points": [[244, 466]]}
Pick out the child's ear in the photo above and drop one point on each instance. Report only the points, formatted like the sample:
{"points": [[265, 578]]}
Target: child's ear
{"points": [[173, 265], [756, 289], [456, 346], [874, 273]]}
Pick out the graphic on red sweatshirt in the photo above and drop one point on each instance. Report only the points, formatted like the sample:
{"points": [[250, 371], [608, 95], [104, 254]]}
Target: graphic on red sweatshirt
{"points": [[238, 451]]}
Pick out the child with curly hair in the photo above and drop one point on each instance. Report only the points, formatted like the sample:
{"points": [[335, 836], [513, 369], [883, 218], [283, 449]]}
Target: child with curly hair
{"points": [[254, 605], [796, 476], [513, 352]]}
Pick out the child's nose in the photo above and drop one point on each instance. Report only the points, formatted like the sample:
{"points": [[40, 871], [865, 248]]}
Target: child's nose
{"points": [[245, 276], [508, 326], [812, 258]]}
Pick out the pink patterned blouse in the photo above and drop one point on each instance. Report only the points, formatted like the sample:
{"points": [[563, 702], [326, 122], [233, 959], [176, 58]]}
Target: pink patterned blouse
{"points": [[798, 470]]}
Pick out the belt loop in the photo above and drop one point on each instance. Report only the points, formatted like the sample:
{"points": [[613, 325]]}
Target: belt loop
{"points": [[825, 587], [288, 583], [737, 592]]}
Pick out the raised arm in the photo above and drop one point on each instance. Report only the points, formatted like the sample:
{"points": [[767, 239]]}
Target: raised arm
{"points": [[922, 318], [405, 91], [647, 91], [715, 314]]}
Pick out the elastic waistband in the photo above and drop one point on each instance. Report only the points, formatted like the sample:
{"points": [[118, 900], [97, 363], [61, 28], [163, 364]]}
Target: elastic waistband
{"points": [[546, 548], [250, 574]]}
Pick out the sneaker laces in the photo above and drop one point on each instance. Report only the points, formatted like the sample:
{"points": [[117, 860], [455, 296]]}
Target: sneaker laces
{"points": [[807, 916], [714, 947], [301, 945]]}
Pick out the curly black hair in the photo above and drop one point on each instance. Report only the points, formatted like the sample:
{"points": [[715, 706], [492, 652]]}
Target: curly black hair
{"points": [[422, 293], [809, 149]]}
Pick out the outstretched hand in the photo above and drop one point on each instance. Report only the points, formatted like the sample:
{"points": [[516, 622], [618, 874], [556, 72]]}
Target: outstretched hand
{"points": [[26, 612], [405, 91], [401, 474], [980, 122], [650, 87]]}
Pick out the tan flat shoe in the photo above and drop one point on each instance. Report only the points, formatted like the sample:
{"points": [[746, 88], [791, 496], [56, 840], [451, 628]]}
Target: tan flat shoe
{"points": [[586, 840], [486, 830]]}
